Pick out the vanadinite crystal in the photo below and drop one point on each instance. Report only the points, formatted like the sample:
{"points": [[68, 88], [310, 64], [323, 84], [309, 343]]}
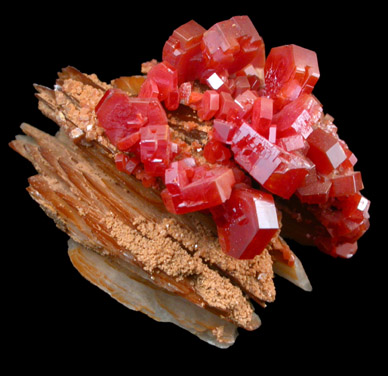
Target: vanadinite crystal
{"points": [[290, 71], [274, 168], [268, 140], [120, 114], [246, 222], [198, 188]]}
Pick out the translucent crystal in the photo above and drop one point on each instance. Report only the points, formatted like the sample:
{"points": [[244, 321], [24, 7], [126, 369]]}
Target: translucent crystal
{"points": [[246, 222], [183, 51], [277, 170], [155, 148], [325, 151], [120, 114], [290, 70], [207, 187]]}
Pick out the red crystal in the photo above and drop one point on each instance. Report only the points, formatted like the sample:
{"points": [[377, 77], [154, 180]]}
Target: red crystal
{"points": [[155, 148], [120, 114], [325, 151], [343, 250], [215, 152], [265, 120], [125, 163], [355, 206], [183, 51], [223, 130], [239, 175], [188, 96], [146, 179], [245, 102], [209, 106], [291, 143], [262, 112], [350, 160], [208, 187], [127, 142], [149, 89], [298, 116], [342, 229], [241, 84], [179, 174], [217, 80], [166, 78], [275, 169], [172, 100], [272, 133], [233, 44], [254, 71], [290, 71], [346, 250], [228, 107], [316, 192], [347, 184], [246, 222]]}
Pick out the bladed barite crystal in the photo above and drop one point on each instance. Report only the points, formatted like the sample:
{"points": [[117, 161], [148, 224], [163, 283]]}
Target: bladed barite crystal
{"points": [[265, 123]]}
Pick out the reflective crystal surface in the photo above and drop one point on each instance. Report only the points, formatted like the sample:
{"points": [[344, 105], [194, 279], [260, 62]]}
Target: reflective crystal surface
{"points": [[155, 148], [207, 187], [290, 70], [258, 119], [246, 222]]}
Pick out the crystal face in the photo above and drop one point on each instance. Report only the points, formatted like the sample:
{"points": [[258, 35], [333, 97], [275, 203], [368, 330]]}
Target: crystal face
{"points": [[162, 81], [206, 188], [209, 105], [298, 116], [325, 151], [126, 164], [233, 44], [183, 51], [275, 169], [290, 71], [120, 114], [262, 113], [155, 148], [261, 126], [246, 222]]}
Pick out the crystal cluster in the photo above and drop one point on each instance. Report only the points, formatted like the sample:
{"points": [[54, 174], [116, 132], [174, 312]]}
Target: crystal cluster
{"points": [[266, 125]]}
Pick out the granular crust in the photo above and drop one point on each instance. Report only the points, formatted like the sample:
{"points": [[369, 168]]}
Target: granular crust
{"points": [[77, 101], [168, 246], [156, 251]]}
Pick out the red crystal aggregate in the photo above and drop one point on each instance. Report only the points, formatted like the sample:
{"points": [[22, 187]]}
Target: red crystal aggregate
{"points": [[275, 169], [155, 148], [290, 71], [183, 51], [266, 125], [233, 44], [207, 187]]}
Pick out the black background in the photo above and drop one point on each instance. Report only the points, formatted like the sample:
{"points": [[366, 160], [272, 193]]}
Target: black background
{"points": [[53, 313]]}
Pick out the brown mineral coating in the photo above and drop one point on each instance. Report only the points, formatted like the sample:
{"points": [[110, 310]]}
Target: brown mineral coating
{"points": [[255, 276], [72, 104], [158, 252], [87, 204]]}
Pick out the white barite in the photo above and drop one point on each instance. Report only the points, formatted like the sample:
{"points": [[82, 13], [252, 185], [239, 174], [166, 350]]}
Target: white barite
{"points": [[129, 286]]}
